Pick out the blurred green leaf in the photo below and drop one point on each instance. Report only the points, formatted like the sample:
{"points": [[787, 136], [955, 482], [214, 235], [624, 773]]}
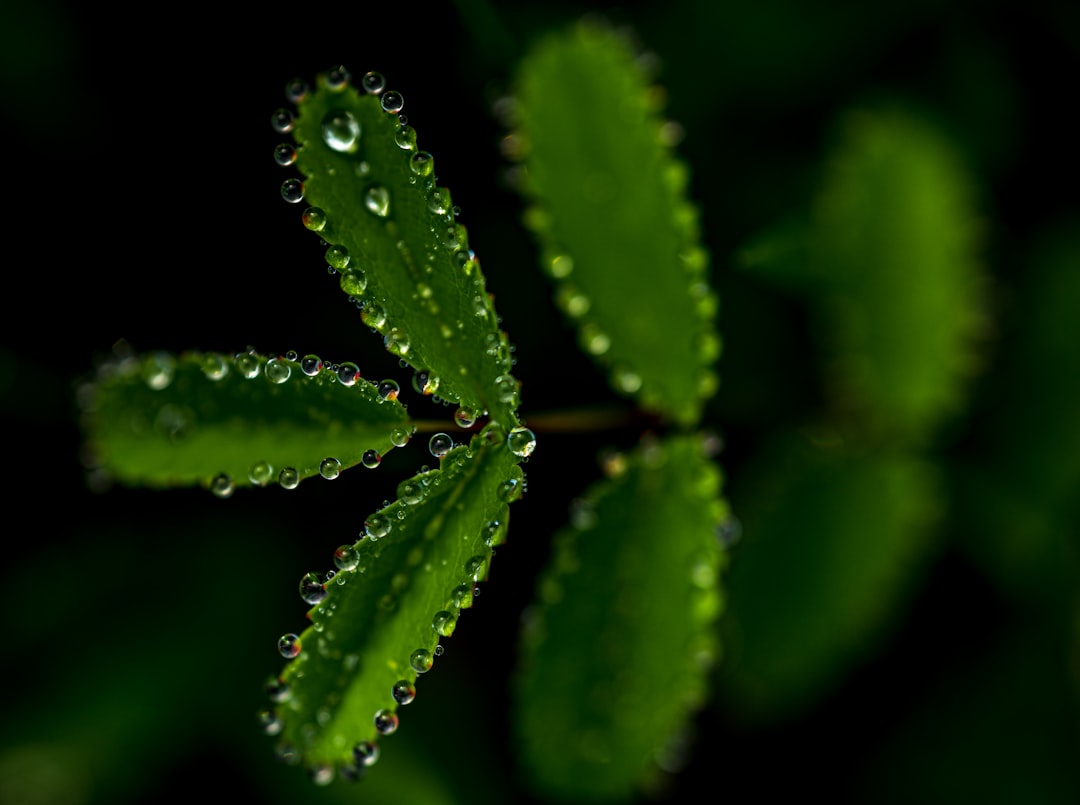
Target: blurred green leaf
{"points": [[834, 540], [616, 650]]}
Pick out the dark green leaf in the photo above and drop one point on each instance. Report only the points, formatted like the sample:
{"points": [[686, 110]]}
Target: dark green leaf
{"points": [[617, 649], [609, 206]]}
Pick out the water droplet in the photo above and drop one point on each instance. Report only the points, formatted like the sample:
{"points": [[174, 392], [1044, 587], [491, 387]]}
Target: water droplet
{"points": [[365, 754], [410, 492], [310, 365], [354, 282], [465, 417], [506, 389], [338, 78], [625, 379], [403, 691], [377, 526], [439, 201], [277, 689], [400, 436], [292, 190], [397, 341], [341, 131], [510, 490], [312, 590], [330, 468], [214, 366], [440, 444], [288, 646], [284, 154], [389, 389], [269, 722], [729, 531], [277, 371], [371, 459], [392, 102], [322, 774], [314, 219], [561, 266], [283, 121], [521, 442], [373, 316], [475, 567], [421, 660], [377, 200], [461, 596], [572, 300], [593, 339], [346, 557], [297, 90], [337, 257], [222, 485], [348, 373], [291, 356], [288, 478], [422, 163], [247, 365], [158, 370], [439, 651], [386, 722], [443, 623], [406, 138], [425, 383], [261, 473], [373, 83]]}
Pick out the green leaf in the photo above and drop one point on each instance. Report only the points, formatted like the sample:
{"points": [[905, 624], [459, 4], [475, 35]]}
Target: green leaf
{"points": [[160, 420], [834, 539], [616, 652], [410, 578], [888, 253], [395, 239], [609, 203]]}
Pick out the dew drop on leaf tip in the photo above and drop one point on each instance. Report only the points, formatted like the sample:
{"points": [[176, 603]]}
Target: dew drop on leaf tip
{"points": [[289, 646], [346, 557], [288, 478], [403, 691], [222, 485], [392, 102], [521, 441], [365, 754], [421, 660], [292, 190], [338, 78], [373, 83], [386, 722]]}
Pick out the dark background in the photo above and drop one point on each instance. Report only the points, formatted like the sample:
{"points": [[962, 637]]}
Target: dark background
{"points": [[142, 204]]}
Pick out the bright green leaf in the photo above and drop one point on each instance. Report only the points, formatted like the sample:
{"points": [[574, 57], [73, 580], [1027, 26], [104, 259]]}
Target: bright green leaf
{"points": [[222, 421], [609, 203], [398, 247], [399, 592], [617, 649]]}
